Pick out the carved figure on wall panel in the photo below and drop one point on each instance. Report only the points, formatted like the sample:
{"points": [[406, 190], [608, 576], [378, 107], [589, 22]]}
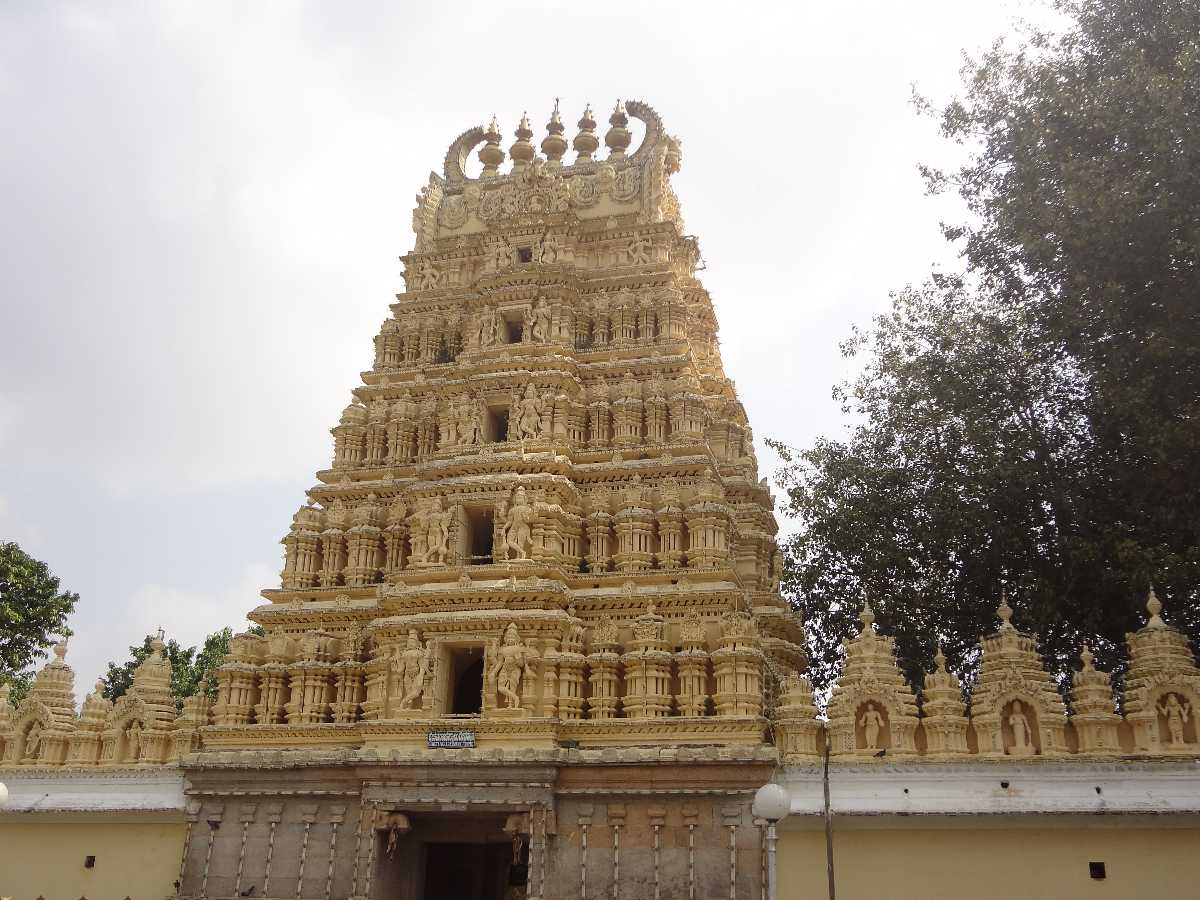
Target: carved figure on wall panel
{"points": [[1022, 731], [133, 740], [438, 535], [540, 324], [33, 741], [528, 414], [415, 664], [467, 414], [518, 526], [1176, 716], [511, 662], [872, 724]]}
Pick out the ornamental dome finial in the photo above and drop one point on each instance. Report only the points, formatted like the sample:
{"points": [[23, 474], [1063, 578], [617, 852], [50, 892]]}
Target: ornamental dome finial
{"points": [[618, 138], [1154, 607], [522, 151], [586, 143], [1004, 611], [554, 145], [491, 154], [867, 616]]}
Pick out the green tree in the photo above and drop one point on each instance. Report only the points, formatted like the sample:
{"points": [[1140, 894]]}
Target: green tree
{"points": [[192, 669], [33, 610], [1036, 424]]}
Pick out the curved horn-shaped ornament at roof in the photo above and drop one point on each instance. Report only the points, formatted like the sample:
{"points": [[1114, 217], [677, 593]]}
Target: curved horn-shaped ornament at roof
{"points": [[654, 128], [460, 149]]}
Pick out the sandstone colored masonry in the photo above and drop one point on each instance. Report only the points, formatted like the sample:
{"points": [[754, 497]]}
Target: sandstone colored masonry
{"points": [[544, 526]]}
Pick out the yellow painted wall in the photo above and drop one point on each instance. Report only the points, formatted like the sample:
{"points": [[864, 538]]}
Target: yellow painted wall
{"points": [[994, 863], [133, 859]]}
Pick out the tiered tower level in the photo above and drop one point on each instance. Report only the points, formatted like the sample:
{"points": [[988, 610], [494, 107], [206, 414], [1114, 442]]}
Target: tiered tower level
{"points": [[544, 492]]}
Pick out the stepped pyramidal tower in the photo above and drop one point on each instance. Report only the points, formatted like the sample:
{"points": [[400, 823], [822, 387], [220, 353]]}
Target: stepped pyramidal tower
{"points": [[535, 597]]}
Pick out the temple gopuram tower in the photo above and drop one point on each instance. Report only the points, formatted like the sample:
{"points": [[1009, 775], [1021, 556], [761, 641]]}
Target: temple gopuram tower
{"points": [[529, 630]]}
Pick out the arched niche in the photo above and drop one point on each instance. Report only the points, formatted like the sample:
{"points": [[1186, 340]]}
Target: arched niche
{"points": [[1020, 729], [872, 726], [1175, 717]]}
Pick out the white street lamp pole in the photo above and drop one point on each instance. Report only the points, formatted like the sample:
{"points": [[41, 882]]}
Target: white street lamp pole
{"points": [[772, 802]]}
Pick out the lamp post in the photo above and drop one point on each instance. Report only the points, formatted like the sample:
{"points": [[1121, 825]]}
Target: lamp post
{"points": [[3, 794], [771, 802]]}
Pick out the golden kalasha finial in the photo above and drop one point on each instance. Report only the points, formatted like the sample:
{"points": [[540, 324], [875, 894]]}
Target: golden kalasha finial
{"points": [[1004, 611], [491, 154], [1087, 657], [618, 137], [586, 143], [522, 151], [939, 658], [554, 145], [867, 616], [1154, 607]]}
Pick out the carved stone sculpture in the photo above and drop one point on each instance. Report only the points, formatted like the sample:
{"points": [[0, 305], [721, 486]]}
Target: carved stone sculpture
{"points": [[415, 664], [518, 522], [511, 663]]}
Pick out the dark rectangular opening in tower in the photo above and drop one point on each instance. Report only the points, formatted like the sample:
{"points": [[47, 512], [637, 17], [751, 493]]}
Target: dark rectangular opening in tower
{"points": [[466, 681], [479, 536]]}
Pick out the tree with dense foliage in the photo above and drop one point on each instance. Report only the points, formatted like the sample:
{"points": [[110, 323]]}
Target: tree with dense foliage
{"points": [[33, 611], [192, 671], [1035, 423]]}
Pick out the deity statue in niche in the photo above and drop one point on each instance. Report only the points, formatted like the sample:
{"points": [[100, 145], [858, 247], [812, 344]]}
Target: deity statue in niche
{"points": [[467, 415], [511, 661], [437, 535], [640, 251], [527, 324], [518, 532], [540, 326], [415, 664], [489, 326], [133, 740], [33, 740], [872, 723], [1022, 732], [1176, 715], [529, 414]]}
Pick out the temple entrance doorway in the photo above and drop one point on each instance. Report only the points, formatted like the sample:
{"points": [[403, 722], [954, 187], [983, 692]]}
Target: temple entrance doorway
{"points": [[456, 856], [467, 871]]}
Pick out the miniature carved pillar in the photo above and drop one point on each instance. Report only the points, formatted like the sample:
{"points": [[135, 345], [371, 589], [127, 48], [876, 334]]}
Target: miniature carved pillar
{"points": [[333, 556], [691, 662], [605, 675], [598, 432], [648, 669], [599, 524], [737, 664], [708, 524], [571, 663], [635, 531]]}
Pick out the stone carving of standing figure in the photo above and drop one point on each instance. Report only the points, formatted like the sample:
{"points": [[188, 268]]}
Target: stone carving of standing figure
{"points": [[1022, 733], [1176, 714], [133, 740], [415, 663], [540, 329], [529, 414], [438, 534], [871, 723], [33, 740], [468, 422], [511, 661], [487, 328], [518, 532]]}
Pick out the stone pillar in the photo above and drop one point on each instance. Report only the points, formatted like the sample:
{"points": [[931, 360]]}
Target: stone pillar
{"points": [[737, 664], [605, 675], [691, 662]]}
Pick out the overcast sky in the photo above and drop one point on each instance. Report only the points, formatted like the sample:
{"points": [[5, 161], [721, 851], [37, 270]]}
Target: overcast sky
{"points": [[203, 206]]}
